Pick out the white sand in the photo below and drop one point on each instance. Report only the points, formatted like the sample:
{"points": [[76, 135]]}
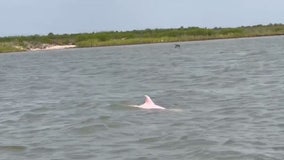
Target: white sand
{"points": [[53, 47]]}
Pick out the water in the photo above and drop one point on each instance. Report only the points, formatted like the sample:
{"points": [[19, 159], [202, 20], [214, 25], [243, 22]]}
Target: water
{"points": [[73, 104]]}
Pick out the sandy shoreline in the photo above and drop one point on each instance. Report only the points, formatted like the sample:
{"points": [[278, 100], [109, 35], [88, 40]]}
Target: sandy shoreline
{"points": [[46, 47], [57, 47], [53, 47]]}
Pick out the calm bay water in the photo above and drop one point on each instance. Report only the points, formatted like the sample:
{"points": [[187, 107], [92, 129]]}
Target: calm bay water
{"points": [[73, 104]]}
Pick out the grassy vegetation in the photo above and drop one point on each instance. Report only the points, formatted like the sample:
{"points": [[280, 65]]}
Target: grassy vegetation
{"points": [[10, 47], [22, 43]]}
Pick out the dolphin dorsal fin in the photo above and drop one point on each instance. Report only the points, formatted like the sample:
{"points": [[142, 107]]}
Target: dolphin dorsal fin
{"points": [[148, 100]]}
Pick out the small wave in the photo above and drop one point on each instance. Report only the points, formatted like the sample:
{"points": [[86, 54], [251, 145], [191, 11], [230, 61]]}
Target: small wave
{"points": [[13, 148], [43, 150], [90, 129], [281, 148]]}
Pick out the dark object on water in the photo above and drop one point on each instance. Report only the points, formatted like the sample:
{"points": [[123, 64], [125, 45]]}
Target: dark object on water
{"points": [[177, 46]]}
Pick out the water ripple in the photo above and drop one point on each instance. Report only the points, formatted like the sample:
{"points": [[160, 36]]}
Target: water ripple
{"points": [[73, 104]]}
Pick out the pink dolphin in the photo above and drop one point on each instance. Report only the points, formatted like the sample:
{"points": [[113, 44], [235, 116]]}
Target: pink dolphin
{"points": [[149, 104]]}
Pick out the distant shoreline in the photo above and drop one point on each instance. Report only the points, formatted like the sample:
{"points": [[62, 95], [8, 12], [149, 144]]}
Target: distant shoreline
{"points": [[135, 37], [62, 47], [59, 47]]}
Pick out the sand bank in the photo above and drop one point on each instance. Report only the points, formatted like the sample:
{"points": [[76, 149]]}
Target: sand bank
{"points": [[53, 47]]}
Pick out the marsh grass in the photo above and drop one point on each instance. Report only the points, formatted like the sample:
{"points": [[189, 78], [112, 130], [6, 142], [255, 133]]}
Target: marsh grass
{"points": [[10, 47]]}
